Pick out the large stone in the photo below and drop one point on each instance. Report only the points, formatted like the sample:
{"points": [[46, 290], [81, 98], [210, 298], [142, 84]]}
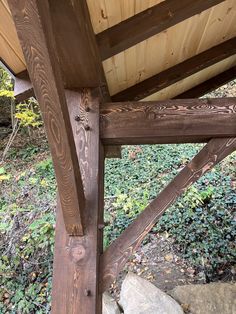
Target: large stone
{"points": [[109, 305], [215, 298], [139, 296]]}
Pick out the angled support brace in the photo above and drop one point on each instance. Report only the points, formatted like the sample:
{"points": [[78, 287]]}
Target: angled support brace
{"points": [[115, 257], [32, 21]]}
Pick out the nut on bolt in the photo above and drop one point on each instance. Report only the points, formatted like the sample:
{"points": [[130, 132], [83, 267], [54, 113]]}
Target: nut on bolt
{"points": [[77, 118]]}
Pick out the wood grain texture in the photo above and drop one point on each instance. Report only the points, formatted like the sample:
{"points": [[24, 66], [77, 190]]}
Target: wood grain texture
{"points": [[32, 22], [23, 88], [115, 257], [178, 72], [209, 85], [76, 45], [76, 259], [170, 121], [148, 23]]}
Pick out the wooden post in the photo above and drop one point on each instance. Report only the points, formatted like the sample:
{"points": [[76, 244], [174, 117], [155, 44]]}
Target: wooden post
{"points": [[76, 259]]}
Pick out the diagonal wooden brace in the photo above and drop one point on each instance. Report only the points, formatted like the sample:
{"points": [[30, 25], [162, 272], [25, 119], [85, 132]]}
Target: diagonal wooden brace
{"points": [[115, 257], [32, 21]]}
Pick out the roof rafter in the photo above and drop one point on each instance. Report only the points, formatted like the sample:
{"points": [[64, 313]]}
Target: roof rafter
{"points": [[178, 72], [148, 23]]}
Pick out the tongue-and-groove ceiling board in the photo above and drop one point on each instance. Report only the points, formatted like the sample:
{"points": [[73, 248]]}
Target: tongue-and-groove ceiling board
{"points": [[149, 57]]}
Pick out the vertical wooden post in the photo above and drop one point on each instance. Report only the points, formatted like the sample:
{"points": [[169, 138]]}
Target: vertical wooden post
{"points": [[76, 258]]}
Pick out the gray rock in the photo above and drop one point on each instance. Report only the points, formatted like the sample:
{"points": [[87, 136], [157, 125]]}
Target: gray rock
{"points": [[215, 298], [138, 296], [109, 305]]}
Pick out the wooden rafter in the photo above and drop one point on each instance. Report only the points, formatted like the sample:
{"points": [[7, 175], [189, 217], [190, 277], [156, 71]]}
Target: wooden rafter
{"points": [[170, 121], [76, 259], [32, 21], [209, 85], [178, 72], [115, 257], [148, 23]]}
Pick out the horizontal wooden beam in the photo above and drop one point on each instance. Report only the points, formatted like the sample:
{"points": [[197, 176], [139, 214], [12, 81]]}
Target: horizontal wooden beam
{"points": [[170, 121], [23, 88], [178, 72], [115, 257], [148, 23], [32, 21], [209, 85]]}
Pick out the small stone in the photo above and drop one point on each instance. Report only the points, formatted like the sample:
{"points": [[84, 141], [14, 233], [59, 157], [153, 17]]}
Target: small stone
{"points": [[169, 257]]}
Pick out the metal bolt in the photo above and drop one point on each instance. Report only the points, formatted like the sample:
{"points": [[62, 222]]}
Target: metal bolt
{"points": [[87, 128], [77, 118], [87, 292]]}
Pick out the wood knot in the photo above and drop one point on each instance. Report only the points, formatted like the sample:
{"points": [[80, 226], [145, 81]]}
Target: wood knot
{"points": [[77, 253]]}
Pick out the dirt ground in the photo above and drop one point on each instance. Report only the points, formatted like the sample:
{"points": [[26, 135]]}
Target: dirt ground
{"points": [[157, 262]]}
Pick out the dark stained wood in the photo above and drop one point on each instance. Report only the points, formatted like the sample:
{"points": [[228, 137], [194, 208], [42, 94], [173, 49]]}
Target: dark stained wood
{"points": [[178, 72], [76, 45], [23, 88], [112, 151], [209, 85], [115, 257], [32, 22], [148, 23], [76, 259], [170, 121]]}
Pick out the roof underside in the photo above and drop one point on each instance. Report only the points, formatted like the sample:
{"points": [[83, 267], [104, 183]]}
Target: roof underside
{"points": [[160, 52]]}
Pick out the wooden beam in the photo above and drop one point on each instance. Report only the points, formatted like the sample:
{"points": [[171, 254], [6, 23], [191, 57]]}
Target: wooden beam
{"points": [[23, 88], [77, 49], [148, 23], [209, 85], [178, 72], [112, 151], [76, 259], [32, 21], [115, 257], [170, 121], [78, 54]]}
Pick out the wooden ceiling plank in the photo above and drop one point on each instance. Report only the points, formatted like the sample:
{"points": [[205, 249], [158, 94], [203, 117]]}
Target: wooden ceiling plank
{"points": [[148, 23], [119, 252], [32, 21], [170, 121], [178, 72], [209, 85]]}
